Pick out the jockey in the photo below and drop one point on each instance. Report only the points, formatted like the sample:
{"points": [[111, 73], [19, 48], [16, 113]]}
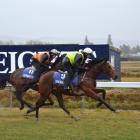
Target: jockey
{"points": [[46, 58], [90, 56], [43, 60], [73, 62], [55, 59]]}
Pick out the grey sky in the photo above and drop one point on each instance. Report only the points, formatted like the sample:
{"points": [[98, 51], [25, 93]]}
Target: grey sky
{"points": [[65, 21]]}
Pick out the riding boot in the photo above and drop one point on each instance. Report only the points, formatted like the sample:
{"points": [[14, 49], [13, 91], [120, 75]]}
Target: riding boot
{"points": [[36, 76], [67, 80]]}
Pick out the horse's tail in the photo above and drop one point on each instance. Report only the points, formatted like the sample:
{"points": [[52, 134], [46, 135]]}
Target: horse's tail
{"points": [[3, 83]]}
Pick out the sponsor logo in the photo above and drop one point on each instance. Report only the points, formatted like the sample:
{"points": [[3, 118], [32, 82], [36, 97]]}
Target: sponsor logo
{"points": [[10, 61]]}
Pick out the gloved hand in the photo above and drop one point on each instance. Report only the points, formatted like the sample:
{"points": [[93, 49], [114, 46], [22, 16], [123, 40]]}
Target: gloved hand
{"points": [[88, 60], [49, 67]]}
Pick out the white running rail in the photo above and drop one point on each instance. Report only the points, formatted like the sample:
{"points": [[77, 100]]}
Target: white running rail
{"points": [[119, 84]]}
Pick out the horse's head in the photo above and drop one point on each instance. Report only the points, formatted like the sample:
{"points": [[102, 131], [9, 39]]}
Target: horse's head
{"points": [[108, 69], [100, 66]]}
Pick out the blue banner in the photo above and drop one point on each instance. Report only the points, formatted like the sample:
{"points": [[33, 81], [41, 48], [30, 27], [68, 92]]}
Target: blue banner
{"points": [[13, 57]]}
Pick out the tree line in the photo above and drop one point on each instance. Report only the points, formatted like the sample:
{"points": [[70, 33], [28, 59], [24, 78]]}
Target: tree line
{"points": [[126, 50], [29, 42]]}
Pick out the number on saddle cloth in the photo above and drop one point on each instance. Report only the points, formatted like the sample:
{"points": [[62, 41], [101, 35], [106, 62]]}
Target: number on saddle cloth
{"points": [[59, 79], [29, 73]]}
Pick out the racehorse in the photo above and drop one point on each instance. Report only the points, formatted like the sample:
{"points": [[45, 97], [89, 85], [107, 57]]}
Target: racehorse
{"points": [[86, 84], [21, 85]]}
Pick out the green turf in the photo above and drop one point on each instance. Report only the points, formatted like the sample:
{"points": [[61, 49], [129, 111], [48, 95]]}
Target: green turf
{"points": [[55, 125], [130, 79], [130, 69]]}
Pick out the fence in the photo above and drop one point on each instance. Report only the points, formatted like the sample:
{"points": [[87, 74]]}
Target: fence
{"points": [[119, 84], [99, 85]]}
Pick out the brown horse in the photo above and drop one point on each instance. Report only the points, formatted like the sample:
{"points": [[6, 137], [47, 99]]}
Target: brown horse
{"points": [[87, 84], [21, 85]]}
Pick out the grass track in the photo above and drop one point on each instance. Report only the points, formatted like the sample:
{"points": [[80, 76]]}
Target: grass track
{"points": [[55, 125], [130, 69]]}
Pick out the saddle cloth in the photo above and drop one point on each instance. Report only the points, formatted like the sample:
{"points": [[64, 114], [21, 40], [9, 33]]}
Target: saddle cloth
{"points": [[59, 79], [29, 73]]}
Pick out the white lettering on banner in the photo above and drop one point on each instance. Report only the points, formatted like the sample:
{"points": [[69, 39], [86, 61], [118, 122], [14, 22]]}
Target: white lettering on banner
{"points": [[13, 61], [20, 58], [8, 60], [3, 61]]}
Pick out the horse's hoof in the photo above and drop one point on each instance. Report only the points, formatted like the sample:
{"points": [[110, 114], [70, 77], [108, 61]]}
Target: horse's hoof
{"points": [[116, 111], [28, 111], [26, 116], [31, 109], [21, 107], [76, 119]]}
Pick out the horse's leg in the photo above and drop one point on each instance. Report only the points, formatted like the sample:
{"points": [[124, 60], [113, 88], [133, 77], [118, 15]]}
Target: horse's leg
{"points": [[18, 94], [62, 105], [19, 98], [51, 102], [103, 96], [44, 94], [93, 95], [40, 103]]}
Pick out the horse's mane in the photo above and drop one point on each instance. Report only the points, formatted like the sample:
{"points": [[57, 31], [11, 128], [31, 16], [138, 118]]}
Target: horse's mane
{"points": [[58, 62], [97, 61]]}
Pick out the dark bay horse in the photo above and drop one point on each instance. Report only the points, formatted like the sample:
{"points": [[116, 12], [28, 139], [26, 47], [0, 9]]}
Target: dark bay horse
{"points": [[21, 85], [87, 84]]}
